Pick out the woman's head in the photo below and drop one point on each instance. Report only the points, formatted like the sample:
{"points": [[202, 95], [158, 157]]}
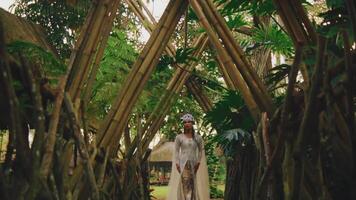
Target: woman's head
{"points": [[188, 121]]}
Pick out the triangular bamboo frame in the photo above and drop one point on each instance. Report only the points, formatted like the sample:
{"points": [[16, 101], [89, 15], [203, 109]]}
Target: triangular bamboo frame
{"points": [[114, 123]]}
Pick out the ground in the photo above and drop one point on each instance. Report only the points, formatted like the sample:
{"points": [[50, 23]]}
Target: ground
{"points": [[160, 192]]}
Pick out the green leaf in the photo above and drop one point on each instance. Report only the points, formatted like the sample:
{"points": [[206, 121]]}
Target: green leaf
{"points": [[51, 66]]}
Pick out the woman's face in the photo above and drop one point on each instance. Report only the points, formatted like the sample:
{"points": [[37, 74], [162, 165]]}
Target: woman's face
{"points": [[188, 125]]}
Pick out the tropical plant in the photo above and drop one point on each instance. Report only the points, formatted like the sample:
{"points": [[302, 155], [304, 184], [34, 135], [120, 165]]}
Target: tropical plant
{"points": [[49, 65], [115, 65], [215, 168], [60, 20]]}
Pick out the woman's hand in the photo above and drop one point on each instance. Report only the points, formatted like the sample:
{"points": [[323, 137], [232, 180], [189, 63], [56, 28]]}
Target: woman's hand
{"points": [[178, 167], [196, 167]]}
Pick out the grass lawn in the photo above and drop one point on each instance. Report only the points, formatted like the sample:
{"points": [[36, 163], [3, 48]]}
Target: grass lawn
{"points": [[160, 192], [221, 187]]}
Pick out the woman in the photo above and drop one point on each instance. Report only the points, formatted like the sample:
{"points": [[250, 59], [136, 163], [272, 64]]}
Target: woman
{"points": [[189, 179]]}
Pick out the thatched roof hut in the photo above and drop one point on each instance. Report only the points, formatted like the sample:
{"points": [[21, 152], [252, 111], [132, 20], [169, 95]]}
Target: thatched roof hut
{"points": [[13, 29], [162, 153], [160, 162], [17, 28]]}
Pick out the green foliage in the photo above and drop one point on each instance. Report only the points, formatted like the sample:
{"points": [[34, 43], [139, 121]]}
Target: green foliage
{"points": [[182, 104], [270, 36], [183, 56], [233, 124], [115, 65], [229, 113], [255, 7], [50, 65], [215, 192], [232, 121], [59, 19], [275, 77], [235, 21], [216, 169], [334, 20], [231, 141]]}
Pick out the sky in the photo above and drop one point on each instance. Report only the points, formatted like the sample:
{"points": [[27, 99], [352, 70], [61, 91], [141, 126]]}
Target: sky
{"points": [[156, 7], [5, 4]]}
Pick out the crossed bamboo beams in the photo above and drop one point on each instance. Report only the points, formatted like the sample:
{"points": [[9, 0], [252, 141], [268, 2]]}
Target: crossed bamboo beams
{"points": [[249, 84], [116, 120], [197, 91], [90, 47], [296, 21], [149, 23], [174, 87]]}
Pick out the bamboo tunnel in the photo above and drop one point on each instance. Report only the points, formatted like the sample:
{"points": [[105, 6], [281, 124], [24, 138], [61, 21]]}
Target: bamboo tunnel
{"points": [[173, 89], [149, 24], [113, 126], [175, 85]]}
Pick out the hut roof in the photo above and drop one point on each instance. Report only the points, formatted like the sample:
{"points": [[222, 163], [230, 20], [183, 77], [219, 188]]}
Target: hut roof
{"points": [[162, 153], [17, 28]]}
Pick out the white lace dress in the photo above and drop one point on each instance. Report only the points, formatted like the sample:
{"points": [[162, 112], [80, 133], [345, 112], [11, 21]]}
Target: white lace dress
{"points": [[189, 151]]}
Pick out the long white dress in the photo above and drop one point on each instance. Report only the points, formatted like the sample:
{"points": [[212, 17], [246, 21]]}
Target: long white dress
{"points": [[192, 150]]}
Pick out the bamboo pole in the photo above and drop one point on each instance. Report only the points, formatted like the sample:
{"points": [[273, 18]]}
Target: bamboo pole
{"points": [[76, 53], [109, 117], [140, 73], [39, 131], [227, 62], [174, 86], [170, 50], [100, 26], [296, 20], [307, 119], [100, 51], [88, 47], [52, 130], [251, 78], [226, 75], [305, 23], [82, 146], [267, 150], [289, 20], [197, 92], [145, 76], [150, 23], [285, 21], [51, 138], [80, 43]]}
